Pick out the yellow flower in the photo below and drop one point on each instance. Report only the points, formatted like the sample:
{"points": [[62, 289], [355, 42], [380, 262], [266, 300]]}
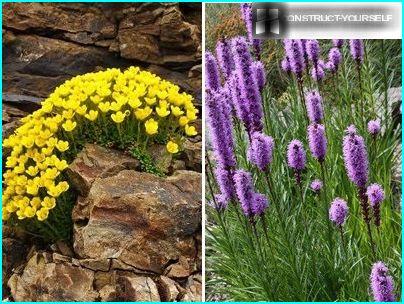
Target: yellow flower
{"points": [[69, 114], [191, 114], [52, 142], [61, 165], [162, 112], [183, 120], [190, 130], [49, 202], [150, 101], [32, 171], [172, 147], [104, 106], [32, 189], [42, 214], [35, 202], [151, 126], [28, 142], [81, 110], [29, 211], [176, 111], [92, 115], [118, 117], [51, 173], [21, 214], [62, 146], [69, 125], [142, 114]]}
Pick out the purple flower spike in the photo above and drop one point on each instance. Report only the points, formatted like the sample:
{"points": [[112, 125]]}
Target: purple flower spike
{"points": [[375, 194], [221, 202], [295, 53], [296, 155], [224, 57], [259, 73], [338, 211], [260, 150], [356, 47], [260, 204], [351, 130], [317, 141], [212, 72], [316, 185], [338, 43], [381, 283], [220, 124], [245, 191], [317, 71], [285, 65], [374, 127], [247, 82], [224, 178], [356, 159], [334, 57], [313, 50], [314, 106]]}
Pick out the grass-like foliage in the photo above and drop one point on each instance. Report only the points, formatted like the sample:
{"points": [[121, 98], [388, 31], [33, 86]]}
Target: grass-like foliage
{"points": [[297, 249], [127, 110]]}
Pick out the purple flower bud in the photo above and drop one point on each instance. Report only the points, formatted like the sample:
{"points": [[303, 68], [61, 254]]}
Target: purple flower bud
{"points": [[260, 204], [313, 50], [224, 178], [260, 150], [338, 211], [295, 53], [246, 15], [381, 283], [224, 57], [317, 141], [351, 130], [259, 73], [317, 71], [247, 82], [220, 124], [221, 202], [338, 43], [296, 155], [285, 65], [212, 72], [316, 185], [240, 104], [356, 159], [356, 47], [245, 191], [375, 194], [314, 106], [374, 127], [334, 57]]}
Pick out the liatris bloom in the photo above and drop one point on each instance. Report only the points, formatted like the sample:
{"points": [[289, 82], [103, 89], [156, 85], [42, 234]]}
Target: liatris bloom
{"points": [[317, 141], [224, 57], [220, 202], [313, 50], [375, 195], [356, 47], [295, 54], [247, 82], [212, 72], [259, 73], [245, 191], [338, 211], [224, 178], [334, 57], [246, 14], [240, 104], [314, 106], [316, 185], [338, 43], [381, 283], [374, 127], [350, 130], [219, 120], [260, 150], [260, 204], [317, 71], [285, 65], [296, 155], [356, 159]]}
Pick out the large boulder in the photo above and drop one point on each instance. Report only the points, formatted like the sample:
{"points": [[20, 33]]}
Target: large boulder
{"points": [[142, 220]]}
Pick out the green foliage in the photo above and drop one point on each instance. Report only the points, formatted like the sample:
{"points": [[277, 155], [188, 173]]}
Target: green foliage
{"points": [[300, 256], [146, 162]]}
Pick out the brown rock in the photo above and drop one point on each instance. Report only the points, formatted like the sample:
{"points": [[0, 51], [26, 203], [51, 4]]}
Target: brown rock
{"points": [[193, 289], [96, 264], [140, 219], [137, 289], [193, 155], [42, 281], [167, 289], [94, 162]]}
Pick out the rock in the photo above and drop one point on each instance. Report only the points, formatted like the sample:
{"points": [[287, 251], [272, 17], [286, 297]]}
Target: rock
{"points": [[161, 158], [137, 289], [96, 264], [140, 219], [193, 155], [193, 289], [167, 289], [50, 281], [94, 162]]}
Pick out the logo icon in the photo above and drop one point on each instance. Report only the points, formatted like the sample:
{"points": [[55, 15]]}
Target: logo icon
{"points": [[268, 20]]}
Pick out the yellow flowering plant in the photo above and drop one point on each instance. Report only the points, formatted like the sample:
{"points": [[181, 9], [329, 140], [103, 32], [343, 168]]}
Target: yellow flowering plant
{"points": [[128, 110]]}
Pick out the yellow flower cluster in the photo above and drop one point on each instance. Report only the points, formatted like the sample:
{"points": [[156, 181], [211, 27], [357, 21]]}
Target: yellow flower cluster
{"points": [[32, 179]]}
